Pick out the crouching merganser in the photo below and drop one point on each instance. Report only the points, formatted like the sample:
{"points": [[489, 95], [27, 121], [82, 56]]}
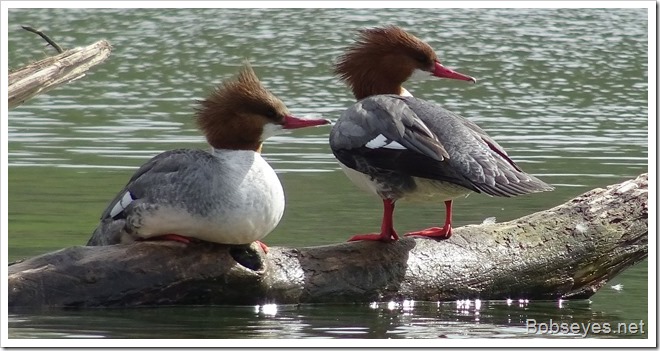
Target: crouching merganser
{"points": [[397, 146], [229, 195]]}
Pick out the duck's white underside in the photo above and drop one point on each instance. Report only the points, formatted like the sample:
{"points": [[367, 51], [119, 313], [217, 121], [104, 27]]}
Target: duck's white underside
{"points": [[248, 214], [426, 189]]}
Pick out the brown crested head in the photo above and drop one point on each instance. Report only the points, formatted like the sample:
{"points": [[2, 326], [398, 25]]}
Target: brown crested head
{"points": [[234, 115], [241, 113], [383, 58]]}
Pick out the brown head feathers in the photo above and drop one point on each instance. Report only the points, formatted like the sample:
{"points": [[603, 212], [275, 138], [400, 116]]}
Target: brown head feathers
{"points": [[382, 59], [234, 114]]}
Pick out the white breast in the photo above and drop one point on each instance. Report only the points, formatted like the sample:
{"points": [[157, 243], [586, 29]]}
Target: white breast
{"points": [[248, 210]]}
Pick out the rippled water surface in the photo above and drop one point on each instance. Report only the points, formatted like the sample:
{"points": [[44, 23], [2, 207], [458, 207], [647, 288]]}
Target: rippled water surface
{"points": [[563, 90]]}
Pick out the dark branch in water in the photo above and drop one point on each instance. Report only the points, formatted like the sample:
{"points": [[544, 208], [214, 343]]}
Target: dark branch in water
{"points": [[46, 38]]}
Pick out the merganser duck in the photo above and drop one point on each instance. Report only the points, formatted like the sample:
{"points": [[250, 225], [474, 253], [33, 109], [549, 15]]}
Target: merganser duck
{"points": [[397, 146], [229, 195]]}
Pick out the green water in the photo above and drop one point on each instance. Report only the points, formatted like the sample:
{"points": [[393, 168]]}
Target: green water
{"points": [[563, 90]]}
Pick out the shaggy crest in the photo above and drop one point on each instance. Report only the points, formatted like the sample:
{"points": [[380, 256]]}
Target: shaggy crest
{"points": [[234, 114], [382, 59]]}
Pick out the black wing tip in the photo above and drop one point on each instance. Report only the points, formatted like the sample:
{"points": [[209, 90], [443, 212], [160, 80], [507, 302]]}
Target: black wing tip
{"points": [[540, 185], [530, 186]]}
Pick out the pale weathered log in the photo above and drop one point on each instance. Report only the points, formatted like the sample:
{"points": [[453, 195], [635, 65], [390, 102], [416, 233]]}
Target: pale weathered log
{"points": [[44, 75], [569, 251]]}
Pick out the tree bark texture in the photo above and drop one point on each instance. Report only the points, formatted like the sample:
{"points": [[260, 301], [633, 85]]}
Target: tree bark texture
{"points": [[42, 76], [569, 251]]}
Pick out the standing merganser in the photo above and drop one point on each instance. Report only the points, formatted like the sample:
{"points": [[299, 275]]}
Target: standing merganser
{"points": [[397, 146], [229, 195]]}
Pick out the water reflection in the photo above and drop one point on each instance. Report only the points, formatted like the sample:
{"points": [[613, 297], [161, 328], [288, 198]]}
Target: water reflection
{"points": [[392, 319]]}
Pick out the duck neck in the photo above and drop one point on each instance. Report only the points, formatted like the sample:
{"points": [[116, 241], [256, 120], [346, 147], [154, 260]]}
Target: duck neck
{"points": [[375, 85], [223, 151], [405, 92]]}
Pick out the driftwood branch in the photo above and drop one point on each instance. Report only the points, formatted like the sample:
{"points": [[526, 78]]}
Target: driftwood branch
{"points": [[42, 76], [45, 37], [569, 251]]}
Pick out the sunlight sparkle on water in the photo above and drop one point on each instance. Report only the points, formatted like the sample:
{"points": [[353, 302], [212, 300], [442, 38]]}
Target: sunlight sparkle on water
{"points": [[463, 304], [269, 309], [408, 305], [617, 287]]}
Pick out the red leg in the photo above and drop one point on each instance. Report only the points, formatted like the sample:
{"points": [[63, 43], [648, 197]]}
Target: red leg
{"points": [[387, 232], [263, 246], [172, 237], [435, 232]]}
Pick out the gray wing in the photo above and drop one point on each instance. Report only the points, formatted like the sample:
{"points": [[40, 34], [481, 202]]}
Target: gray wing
{"points": [[389, 116], [474, 154], [381, 134], [424, 140], [162, 177]]}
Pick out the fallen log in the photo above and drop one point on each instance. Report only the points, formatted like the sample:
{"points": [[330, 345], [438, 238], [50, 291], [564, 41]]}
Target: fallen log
{"points": [[569, 252], [44, 75]]}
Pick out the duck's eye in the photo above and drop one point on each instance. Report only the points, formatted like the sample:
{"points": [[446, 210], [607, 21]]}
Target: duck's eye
{"points": [[421, 58], [271, 113]]}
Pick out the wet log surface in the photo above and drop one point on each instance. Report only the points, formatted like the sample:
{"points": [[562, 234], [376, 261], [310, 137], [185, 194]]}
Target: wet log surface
{"points": [[569, 251]]}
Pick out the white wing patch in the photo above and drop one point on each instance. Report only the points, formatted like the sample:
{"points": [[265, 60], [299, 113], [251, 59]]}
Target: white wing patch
{"points": [[382, 142], [122, 204]]}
